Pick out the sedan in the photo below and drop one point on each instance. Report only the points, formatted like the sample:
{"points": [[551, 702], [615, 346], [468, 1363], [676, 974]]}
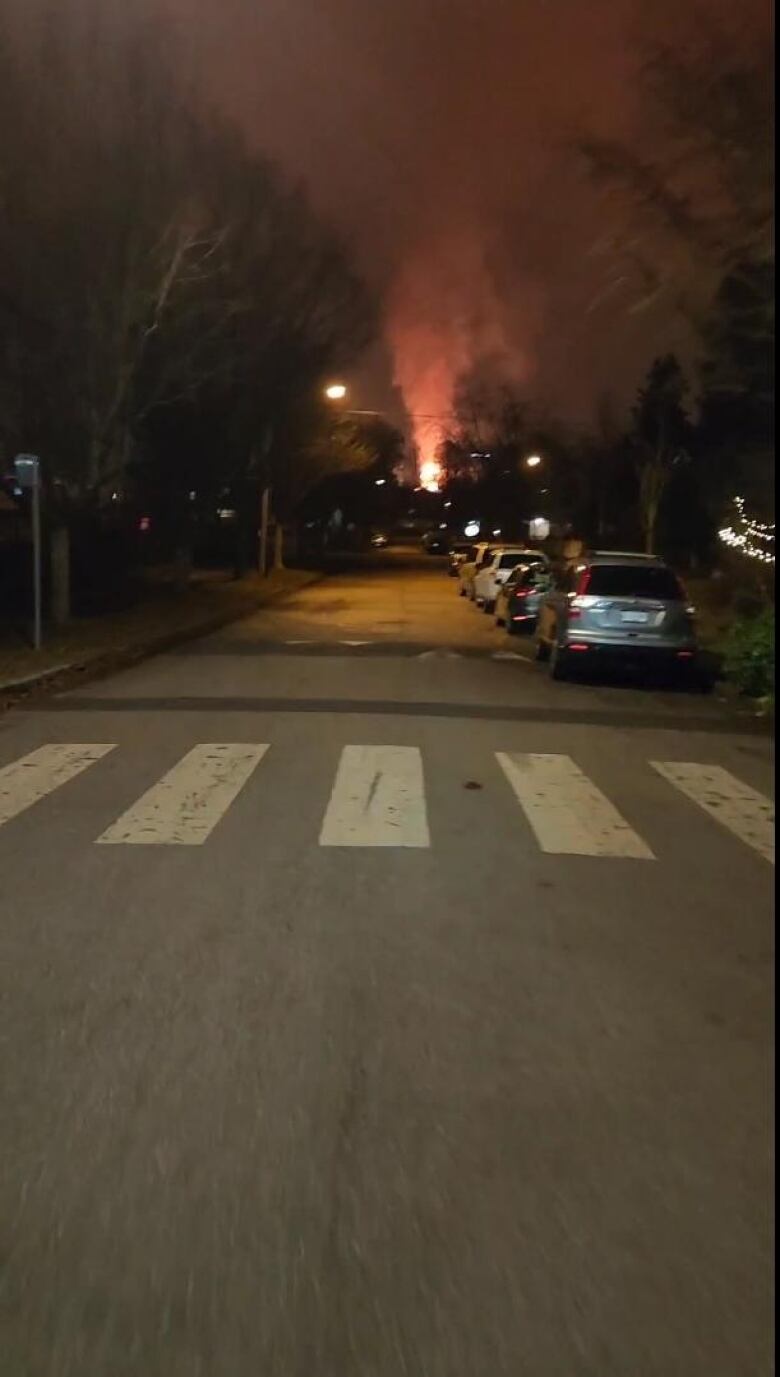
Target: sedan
{"points": [[459, 554], [436, 542], [496, 571], [519, 599], [483, 553]]}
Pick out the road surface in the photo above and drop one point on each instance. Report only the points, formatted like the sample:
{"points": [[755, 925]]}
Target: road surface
{"points": [[375, 1007]]}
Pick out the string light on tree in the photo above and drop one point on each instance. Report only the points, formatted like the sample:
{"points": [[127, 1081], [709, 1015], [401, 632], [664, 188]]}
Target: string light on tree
{"points": [[754, 539]]}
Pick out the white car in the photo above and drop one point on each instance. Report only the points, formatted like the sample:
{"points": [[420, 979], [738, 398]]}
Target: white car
{"points": [[496, 571], [470, 568]]}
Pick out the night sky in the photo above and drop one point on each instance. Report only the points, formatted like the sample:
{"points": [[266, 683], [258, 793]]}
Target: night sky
{"points": [[438, 135]]}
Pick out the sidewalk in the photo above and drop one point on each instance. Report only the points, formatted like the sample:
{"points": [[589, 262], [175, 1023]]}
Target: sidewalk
{"points": [[166, 617]]}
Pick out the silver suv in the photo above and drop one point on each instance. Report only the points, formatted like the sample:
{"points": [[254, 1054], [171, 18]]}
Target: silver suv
{"points": [[615, 606]]}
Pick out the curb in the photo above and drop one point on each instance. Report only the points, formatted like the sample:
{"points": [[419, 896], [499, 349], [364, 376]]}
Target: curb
{"points": [[61, 678]]}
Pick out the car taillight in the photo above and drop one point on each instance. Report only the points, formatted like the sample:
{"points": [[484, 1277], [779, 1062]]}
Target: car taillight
{"points": [[521, 592]]}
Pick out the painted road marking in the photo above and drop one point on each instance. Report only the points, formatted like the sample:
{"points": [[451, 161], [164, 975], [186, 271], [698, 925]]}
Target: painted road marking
{"points": [[184, 807], [568, 813], [34, 776], [745, 812], [378, 799], [355, 643]]}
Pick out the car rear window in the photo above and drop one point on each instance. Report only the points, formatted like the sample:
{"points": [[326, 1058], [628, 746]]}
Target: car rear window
{"points": [[531, 574], [509, 561], [634, 581]]}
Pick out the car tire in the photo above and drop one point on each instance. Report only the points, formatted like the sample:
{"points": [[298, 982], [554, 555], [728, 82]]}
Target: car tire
{"points": [[559, 663], [511, 629], [541, 651], [488, 607]]}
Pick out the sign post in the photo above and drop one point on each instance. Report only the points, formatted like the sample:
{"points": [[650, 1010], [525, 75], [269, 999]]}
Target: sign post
{"points": [[28, 475]]}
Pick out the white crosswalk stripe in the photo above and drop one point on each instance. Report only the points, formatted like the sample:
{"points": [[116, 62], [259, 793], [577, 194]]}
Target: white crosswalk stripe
{"points": [[184, 807], [378, 799], [744, 811], [567, 812], [30, 779]]}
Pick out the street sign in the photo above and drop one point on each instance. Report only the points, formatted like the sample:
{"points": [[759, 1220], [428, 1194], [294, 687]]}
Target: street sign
{"points": [[28, 475], [27, 469]]}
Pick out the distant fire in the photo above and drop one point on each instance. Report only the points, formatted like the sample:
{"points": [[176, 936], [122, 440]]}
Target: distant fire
{"points": [[430, 475]]}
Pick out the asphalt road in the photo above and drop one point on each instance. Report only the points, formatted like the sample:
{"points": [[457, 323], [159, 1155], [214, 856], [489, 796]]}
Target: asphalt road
{"points": [[431, 1041]]}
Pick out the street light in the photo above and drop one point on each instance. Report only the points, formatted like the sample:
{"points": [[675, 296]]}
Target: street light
{"points": [[533, 461], [335, 392], [539, 528]]}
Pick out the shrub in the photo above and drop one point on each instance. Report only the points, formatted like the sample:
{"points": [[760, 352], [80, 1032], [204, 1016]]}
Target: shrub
{"points": [[750, 654]]}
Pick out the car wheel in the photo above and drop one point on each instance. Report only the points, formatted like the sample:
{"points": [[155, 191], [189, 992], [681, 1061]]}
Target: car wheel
{"points": [[511, 629], [541, 651], [488, 607], [701, 682], [559, 663]]}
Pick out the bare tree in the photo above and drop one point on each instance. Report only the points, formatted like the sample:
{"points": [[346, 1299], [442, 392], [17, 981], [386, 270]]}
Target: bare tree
{"points": [[151, 264], [696, 183], [660, 430]]}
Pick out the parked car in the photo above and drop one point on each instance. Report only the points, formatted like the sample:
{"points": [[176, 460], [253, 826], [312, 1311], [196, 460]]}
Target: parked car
{"points": [[494, 572], [616, 607], [483, 553], [436, 542], [459, 554], [519, 599]]}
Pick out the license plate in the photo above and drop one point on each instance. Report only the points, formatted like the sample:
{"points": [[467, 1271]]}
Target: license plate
{"points": [[634, 616]]}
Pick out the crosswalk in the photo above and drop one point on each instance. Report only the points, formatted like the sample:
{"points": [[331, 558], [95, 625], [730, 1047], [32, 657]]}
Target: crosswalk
{"points": [[567, 812], [378, 798], [185, 806]]}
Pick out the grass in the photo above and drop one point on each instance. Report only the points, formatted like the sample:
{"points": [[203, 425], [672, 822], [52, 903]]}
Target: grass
{"points": [[163, 612]]}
